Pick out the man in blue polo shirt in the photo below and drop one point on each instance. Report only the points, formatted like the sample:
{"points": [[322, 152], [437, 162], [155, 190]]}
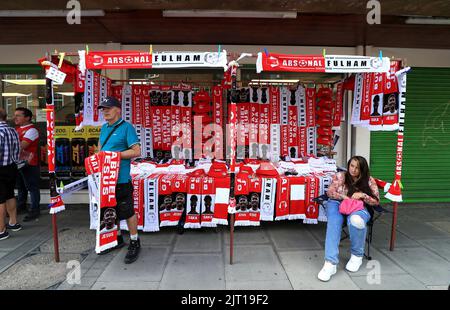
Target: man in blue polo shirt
{"points": [[119, 136]]}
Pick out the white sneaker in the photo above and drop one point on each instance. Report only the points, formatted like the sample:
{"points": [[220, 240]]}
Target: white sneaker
{"points": [[327, 271], [354, 263]]}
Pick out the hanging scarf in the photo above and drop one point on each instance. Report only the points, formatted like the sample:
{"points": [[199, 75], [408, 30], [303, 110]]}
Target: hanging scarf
{"points": [[357, 98], [194, 202], [391, 100], [264, 124], [166, 128], [241, 191], [208, 200], [338, 106], [284, 121], [311, 107], [96, 97], [217, 100], [157, 112], [222, 185], [297, 186], [151, 218], [293, 124], [146, 107], [185, 97], [109, 164], [312, 210], [366, 99], [282, 199], [268, 192], [127, 104], [137, 104], [165, 199], [274, 93], [395, 193], [376, 110]]}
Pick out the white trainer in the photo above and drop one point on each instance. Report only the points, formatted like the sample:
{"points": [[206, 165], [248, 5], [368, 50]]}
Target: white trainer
{"points": [[327, 271], [354, 263]]}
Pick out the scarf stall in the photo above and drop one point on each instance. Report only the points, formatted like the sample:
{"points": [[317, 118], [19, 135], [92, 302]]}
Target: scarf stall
{"points": [[276, 133]]}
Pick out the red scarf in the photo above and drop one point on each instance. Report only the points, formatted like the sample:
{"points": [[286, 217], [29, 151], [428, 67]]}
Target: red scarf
{"points": [[109, 173]]}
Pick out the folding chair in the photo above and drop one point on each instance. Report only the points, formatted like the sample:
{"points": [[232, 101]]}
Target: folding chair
{"points": [[378, 212]]}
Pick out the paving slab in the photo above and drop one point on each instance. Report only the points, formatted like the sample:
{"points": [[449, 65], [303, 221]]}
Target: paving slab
{"points": [[149, 266], [247, 235], [254, 263], [259, 285], [125, 286], [445, 226], [426, 214], [417, 230], [200, 242], [194, 272], [422, 264], [389, 282], [440, 247], [302, 268], [163, 237], [381, 237], [379, 262], [3, 254], [293, 239]]}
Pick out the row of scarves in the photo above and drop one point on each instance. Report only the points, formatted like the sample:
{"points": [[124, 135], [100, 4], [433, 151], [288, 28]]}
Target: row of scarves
{"points": [[161, 199], [376, 100], [91, 91], [163, 116], [286, 121]]}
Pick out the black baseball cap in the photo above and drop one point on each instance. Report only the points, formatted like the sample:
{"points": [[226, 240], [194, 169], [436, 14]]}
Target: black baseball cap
{"points": [[110, 102]]}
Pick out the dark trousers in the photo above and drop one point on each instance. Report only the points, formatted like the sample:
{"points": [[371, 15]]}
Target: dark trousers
{"points": [[28, 181]]}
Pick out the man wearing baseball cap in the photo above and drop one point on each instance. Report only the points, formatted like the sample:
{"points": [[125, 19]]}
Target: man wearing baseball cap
{"points": [[120, 136]]}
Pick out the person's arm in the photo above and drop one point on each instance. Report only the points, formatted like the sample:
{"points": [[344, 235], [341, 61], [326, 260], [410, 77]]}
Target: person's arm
{"points": [[133, 141], [333, 191], [369, 199], [30, 136], [134, 151]]}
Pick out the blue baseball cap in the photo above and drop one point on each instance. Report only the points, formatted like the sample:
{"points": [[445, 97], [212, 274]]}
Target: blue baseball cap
{"points": [[110, 102]]}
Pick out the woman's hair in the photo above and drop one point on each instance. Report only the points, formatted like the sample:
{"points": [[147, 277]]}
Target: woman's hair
{"points": [[361, 184]]}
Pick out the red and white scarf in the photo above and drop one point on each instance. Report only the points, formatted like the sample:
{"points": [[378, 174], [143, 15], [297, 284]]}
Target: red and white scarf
{"points": [[264, 124], [108, 165], [166, 128], [311, 208], [217, 100], [338, 106], [293, 138], [165, 200], [157, 113], [208, 201], [376, 110], [391, 100], [194, 202], [297, 188], [282, 199], [222, 188]]}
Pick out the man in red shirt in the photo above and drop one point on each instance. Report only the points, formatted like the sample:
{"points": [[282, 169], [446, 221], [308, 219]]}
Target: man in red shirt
{"points": [[29, 174]]}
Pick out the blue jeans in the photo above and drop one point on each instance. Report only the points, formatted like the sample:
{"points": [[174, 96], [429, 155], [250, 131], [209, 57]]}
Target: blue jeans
{"points": [[334, 229], [28, 181]]}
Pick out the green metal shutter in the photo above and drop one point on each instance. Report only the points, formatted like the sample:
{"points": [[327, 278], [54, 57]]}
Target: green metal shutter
{"points": [[426, 152]]}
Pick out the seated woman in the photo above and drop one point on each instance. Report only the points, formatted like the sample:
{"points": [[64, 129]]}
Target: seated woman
{"points": [[355, 183]]}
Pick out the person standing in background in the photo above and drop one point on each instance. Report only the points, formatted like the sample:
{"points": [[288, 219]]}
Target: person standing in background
{"points": [[9, 155], [29, 171]]}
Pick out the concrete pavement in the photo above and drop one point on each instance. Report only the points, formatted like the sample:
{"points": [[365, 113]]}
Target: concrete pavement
{"points": [[276, 256]]}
